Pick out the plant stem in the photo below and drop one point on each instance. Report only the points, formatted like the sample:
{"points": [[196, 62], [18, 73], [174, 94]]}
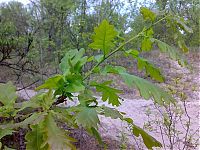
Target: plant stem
{"points": [[121, 46]]}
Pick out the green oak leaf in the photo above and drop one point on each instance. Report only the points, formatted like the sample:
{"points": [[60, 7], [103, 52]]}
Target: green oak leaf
{"points": [[182, 25], [134, 53], [33, 119], [183, 46], [103, 37], [52, 83], [171, 51], [148, 140], [150, 69], [86, 98], [110, 112], [147, 89], [73, 61], [146, 44], [53, 136], [35, 137], [8, 94], [108, 93], [147, 14], [41, 100], [4, 132], [87, 117], [74, 83], [113, 69], [96, 134]]}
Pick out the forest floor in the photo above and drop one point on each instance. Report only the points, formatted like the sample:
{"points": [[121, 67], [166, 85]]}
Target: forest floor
{"points": [[145, 114]]}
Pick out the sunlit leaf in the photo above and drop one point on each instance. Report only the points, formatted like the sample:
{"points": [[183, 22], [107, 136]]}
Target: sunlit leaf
{"points": [[103, 37], [4, 132], [73, 61], [183, 46], [147, 14], [52, 83]]}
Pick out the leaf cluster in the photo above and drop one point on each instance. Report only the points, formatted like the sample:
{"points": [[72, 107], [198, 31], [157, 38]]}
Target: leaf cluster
{"points": [[43, 111]]}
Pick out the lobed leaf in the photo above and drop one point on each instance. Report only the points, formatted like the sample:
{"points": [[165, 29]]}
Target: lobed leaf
{"points": [[150, 69], [35, 138], [171, 51], [182, 25], [108, 93], [4, 132], [52, 83], [87, 117], [147, 14], [147, 89], [73, 61], [103, 37], [8, 94], [42, 100], [148, 140], [111, 112], [53, 136]]}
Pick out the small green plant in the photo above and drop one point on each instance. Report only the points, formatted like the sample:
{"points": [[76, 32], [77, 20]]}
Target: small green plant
{"points": [[42, 112]]}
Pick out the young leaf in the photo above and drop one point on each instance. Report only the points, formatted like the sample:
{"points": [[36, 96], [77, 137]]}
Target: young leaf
{"points": [[33, 119], [147, 14], [73, 61], [52, 83], [113, 69], [146, 44], [74, 83], [147, 89], [108, 93], [86, 98], [103, 37], [132, 52], [7, 94]]}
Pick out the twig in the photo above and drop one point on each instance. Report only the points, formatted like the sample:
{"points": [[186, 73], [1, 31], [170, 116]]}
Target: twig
{"points": [[24, 87]]}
